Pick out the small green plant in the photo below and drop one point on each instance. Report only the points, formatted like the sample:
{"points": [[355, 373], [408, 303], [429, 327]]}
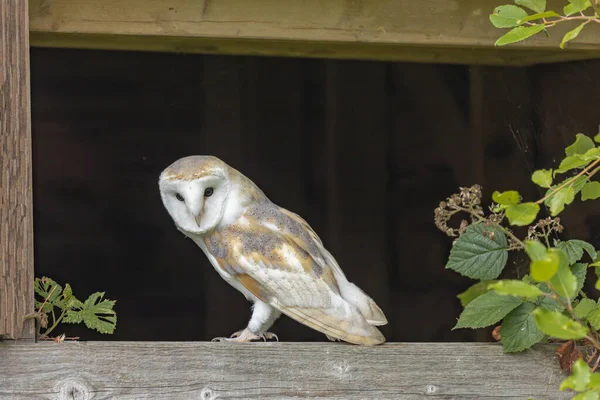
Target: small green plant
{"points": [[525, 25], [548, 302], [56, 304]]}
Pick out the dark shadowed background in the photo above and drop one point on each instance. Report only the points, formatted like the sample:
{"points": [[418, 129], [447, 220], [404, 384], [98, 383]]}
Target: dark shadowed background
{"points": [[364, 151]]}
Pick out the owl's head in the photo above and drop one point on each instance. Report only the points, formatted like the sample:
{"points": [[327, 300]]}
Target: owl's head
{"points": [[195, 190]]}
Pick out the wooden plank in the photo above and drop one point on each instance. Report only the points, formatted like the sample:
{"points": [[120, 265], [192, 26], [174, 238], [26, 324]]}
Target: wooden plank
{"points": [[16, 204], [200, 370], [440, 31]]}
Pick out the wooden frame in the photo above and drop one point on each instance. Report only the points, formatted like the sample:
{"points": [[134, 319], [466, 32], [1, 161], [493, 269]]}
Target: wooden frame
{"points": [[367, 29]]}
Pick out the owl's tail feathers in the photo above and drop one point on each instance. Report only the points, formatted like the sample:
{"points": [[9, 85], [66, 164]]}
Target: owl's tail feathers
{"points": [[366, 305]]}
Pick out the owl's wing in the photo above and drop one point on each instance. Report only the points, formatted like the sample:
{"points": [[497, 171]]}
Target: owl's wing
{"points": [[275, 267]]}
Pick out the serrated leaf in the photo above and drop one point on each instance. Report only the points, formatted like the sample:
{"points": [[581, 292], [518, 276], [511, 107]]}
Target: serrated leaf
{"points": [[579, 378], [561, 198], [584, 308], [519, 331], [580, 272], [535, 250], [518, 34], [593, 318], [506, 198], [576, 6], [557, 325], [581, 145], [587, 396], [572, 34], [549, 302], [564, 281], [534, 5], [590, 191], [542, 178], [507, 16], [544, 262], [479, 253], [574, 250], [486, 310], [96, 313], [473, 292], [522, 214], [516, 288], [47, 288]]}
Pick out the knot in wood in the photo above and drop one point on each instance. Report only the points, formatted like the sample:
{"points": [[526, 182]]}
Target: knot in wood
{"points": [[431, 389], [207, 394], [73, 389]]}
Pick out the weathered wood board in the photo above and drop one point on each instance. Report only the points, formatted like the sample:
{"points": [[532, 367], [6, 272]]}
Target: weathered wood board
{"points": [[16, 202], [201, 370], [433, 31]]}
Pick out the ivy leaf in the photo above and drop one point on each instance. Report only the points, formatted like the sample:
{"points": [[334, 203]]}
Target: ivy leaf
{"points": [[473, 292], [590, 191], [96, 313], [544, 263], [486, 310], [555, 324], [534, 5], [561, 198], [479, 253], [584, 308], [576, 6], [579, 379], [581, 145], [516, 288], [519, 331], [572, 34], [564, 281], [507, 16], [506, 198], [522, 214], [519, 33], [542, 178], [574, 249]]}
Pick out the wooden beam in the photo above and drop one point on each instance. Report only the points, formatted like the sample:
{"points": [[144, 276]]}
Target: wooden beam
{"points": [[436, 31], [408, 371], [16, 209]]}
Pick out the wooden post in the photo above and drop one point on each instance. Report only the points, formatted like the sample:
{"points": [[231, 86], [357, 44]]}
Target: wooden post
{"points": [[16, 206]]}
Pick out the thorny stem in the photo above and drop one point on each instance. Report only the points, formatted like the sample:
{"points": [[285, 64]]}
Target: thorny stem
{"points": [[570, 181]]}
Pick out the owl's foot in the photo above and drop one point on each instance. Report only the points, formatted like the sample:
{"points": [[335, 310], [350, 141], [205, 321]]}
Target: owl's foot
{"points": [[246, 336], [333, 339]]}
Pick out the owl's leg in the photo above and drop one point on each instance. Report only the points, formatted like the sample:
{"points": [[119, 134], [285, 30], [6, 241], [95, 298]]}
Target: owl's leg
{"points": [[263, 317]]}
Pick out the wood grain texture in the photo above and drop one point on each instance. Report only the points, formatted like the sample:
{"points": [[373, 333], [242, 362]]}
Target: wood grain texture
{"points": [[16, 208], [442, 31], [200, 370]]}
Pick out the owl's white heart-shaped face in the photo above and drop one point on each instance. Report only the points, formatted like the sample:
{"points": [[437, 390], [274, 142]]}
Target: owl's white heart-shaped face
{"points": [[195, 201]]}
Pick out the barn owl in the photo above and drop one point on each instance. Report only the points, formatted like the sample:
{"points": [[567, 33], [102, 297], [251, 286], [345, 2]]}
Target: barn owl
{"points": [[269, 254]]}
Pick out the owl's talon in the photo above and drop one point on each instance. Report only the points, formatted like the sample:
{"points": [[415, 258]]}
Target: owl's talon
{"points": [[246, 336]]}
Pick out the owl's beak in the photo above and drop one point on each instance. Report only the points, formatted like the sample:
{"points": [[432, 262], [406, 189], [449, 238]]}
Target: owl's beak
{"points": [[197, 218]]}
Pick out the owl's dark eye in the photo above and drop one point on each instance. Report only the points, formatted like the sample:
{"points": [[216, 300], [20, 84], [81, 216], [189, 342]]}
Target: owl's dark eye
{"points": [[179, 197], [208, 192]]}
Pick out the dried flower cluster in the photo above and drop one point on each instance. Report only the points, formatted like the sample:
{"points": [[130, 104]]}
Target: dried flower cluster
{"points": [[544, 228]]}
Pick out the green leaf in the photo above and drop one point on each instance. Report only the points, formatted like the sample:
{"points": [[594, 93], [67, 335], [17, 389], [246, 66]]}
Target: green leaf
{"points": [[541, 15], [590, 191], [506, 198], [477, 255], [486, 310], [581, 145], [96, 313], [542, 178], [516, 287], [579, 379], [473, 292], [555, 324], [594, 381], [549, 302], [519, 331], [587, 396], [534, 5], [571, 162], [584, 308], [574, 249], [564, 281], [47, 288], [580, 272], [591, 154], [576, 6], [593, 318], [597, 138], [576, 184], [522, 214], [544, 262], [572, 34], [519, 33], [561, 198], [507, 16]]}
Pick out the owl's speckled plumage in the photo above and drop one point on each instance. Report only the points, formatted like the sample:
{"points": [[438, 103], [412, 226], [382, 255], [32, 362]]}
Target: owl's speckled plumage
{"points": [[268, 253]]}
